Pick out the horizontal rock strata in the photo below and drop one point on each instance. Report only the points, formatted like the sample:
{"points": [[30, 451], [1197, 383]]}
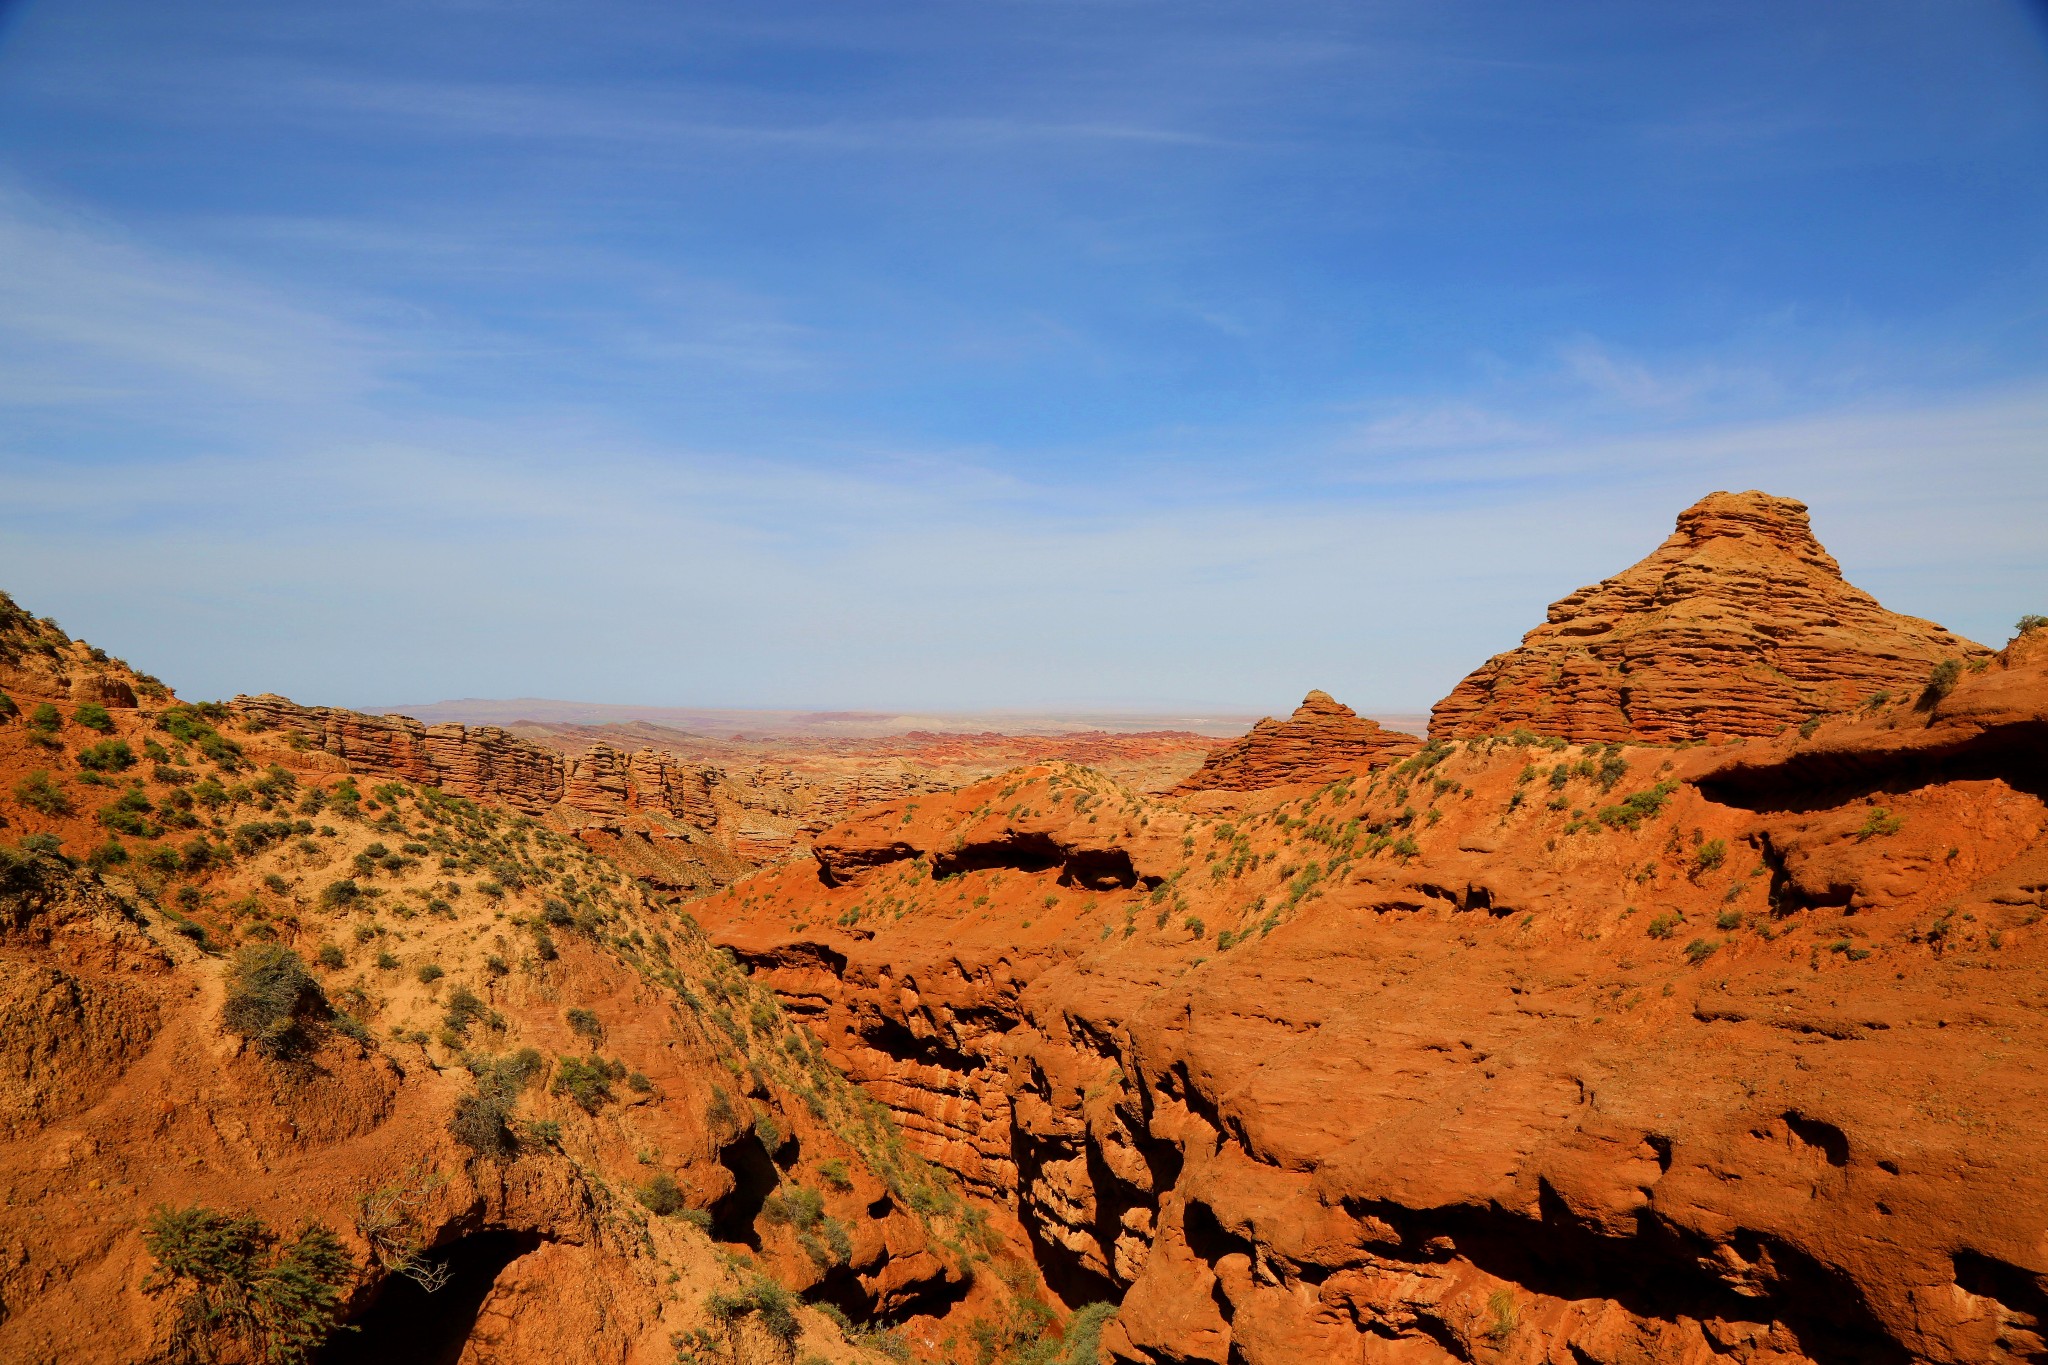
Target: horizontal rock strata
{"points": [[1739, 624]]}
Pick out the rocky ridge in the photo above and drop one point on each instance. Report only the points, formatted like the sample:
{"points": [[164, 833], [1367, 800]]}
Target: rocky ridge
{"points": [[1739, 624], [526, 1103]]}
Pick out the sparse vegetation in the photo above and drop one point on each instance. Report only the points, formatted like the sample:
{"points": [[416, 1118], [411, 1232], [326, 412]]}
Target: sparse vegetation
{"points": [[93, 716]]}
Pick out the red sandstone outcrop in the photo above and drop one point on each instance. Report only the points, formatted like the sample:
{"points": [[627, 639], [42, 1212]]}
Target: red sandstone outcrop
{"points": [[1322, 741], [1509, 1052], [1738, 624]]}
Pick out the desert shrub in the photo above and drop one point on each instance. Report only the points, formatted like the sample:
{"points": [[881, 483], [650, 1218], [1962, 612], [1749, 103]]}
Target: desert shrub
{"points": [[108, 855], [430, 972], [639, 1083], [1728, 919], [794, 1206], [93, 716], [340, 895], [2030, 623], [1941, 681], [387, 962], [40, 793], [464, 1009], [1664, 926], [330, 956], [1636, 807], [129, 814], [835, 1174], [1879, 822], [1699, 950], [234, 1280], [482, 1120], [587, 1081], [8, 710], [661, 1195], [44, 718], [585, 1023], [188, 725], [107, 756], [1710, 855], [273, 1001]]}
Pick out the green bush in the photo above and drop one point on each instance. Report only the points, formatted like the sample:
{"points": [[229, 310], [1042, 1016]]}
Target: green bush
{"points": [[429, 973], [232, 1279], [835, 1174], [1664, 926], [1710, 855], [465, 1007], [587, 1081], [1699, 950], [2030, 623], [93, 716], [330, 956], [129, 814], [661, 1195], [40, 793], [795, 1206], [585, 1024], [8, 710], [273, 1001], [1636, 808], [44, 718], [482, 1120], [1941, 681], [108, 855], [107, 756]]}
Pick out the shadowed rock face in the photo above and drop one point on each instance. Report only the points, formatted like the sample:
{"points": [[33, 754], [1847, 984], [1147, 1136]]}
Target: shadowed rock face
{"points": [[1323, 740], [1739, 624]]}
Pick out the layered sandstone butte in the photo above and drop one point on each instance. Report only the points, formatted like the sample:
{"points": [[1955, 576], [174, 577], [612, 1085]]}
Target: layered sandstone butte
{"points": [[1322, 741], [1739, 624]]}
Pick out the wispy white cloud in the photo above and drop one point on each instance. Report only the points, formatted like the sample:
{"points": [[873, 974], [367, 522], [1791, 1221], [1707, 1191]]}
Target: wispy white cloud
{"points": [[87, 314]]}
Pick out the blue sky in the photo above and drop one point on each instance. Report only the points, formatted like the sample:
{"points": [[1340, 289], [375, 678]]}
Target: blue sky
{"points": [[958, 355]]}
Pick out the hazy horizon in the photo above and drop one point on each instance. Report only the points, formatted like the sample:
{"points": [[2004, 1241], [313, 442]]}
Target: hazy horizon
{"points": [[1016, 356]]}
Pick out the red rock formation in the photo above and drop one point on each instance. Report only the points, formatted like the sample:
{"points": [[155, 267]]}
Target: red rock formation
{"points": [[1322, 741], [1739, 624], [1729, 1054]]}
